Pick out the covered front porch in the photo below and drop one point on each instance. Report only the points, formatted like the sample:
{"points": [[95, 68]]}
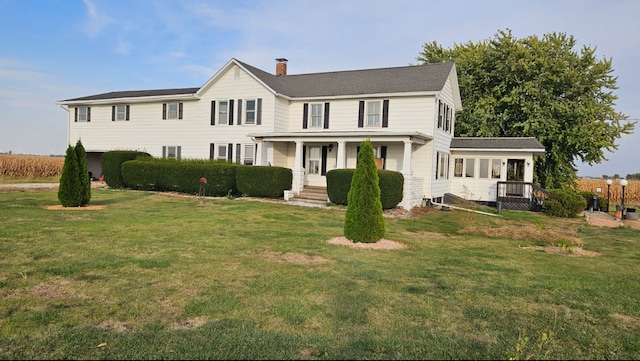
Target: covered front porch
{"points": [[311, 155]]}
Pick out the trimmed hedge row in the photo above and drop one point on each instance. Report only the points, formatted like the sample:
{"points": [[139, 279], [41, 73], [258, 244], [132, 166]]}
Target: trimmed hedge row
{"points": [[181, 176], [391, 186], [112, 165], [263, 181]]}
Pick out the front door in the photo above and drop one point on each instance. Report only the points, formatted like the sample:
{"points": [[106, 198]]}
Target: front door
{"points": [[515, 173]]}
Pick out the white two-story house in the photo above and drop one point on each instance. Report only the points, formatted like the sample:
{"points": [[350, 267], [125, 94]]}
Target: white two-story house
{"points": [[310, 123]]}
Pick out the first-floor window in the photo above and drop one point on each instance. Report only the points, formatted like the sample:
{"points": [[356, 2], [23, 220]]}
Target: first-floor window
{"points": [[470, 168], [484, 168], [495, 168], [222, 152], [171, 151], [442, 171], [314, 160], [248, 154], [457, 169]]}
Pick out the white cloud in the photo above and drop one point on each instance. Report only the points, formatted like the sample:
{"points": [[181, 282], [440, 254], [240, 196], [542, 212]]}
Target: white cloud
{"points": [[96, 21], [123, 47]]}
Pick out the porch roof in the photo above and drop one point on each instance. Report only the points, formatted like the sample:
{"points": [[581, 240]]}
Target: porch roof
{"points": [[498, 144], [347, 136]]}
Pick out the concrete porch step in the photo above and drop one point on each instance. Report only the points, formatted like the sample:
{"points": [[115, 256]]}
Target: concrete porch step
{"points": [[310, 193]]}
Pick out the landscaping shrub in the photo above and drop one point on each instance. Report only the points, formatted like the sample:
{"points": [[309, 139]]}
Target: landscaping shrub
{"points": [[180, 176], [83, 174], [391, 186], [588, 197], [565, 203], [69, 190], [363, 220], [263, 181], [112, 163]]}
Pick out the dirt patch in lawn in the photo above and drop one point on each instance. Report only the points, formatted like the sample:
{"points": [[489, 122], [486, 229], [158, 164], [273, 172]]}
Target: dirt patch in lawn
{"points": [[567, 251], [381, 244], [89, 207], [297, 258]]}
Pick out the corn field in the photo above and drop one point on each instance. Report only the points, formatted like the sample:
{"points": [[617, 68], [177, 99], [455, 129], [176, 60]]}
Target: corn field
{"points": [[20, 166], [631, 191]]}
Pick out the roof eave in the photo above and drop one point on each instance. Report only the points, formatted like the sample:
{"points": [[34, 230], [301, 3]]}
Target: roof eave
{"points": [[143, 99]]}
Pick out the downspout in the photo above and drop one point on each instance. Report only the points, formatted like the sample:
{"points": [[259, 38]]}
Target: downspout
{"points": [[68, 123], [465, 209]]}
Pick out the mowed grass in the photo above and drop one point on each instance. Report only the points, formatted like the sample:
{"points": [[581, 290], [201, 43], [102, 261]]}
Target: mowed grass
{"points": [[156, 276]]}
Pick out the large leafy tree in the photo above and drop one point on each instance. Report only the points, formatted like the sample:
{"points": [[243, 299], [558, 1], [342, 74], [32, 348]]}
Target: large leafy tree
{"points": [[537, 87]]}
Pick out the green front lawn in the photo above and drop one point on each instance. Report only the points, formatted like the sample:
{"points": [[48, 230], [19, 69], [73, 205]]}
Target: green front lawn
{"points": [[157, 276]]}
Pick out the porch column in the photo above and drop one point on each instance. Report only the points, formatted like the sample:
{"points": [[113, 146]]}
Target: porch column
{"points": [[406, 160], [341, 163], [259, 150], [298, 169], [408, 196]]}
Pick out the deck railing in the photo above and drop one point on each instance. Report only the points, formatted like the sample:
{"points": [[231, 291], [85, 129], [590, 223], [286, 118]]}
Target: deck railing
{"points": [[520, 195]]}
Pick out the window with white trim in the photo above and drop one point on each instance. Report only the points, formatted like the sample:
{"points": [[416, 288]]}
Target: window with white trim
{"points": [[496, 168], [374, 114], [84, 114], [316, 115], [457, 168], [484, 168], [314, 160], [250, 112], [470, 168], [172, 111], [248, 154], [171, 151], [222, 152], [121, 112], [442, 166], [223, 112]]}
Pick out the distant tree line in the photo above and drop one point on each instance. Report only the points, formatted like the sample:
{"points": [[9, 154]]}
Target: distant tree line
{"points": [[635, 176]]}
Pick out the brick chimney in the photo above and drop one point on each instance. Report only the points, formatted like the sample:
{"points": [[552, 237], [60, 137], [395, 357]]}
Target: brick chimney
{"points": [[281, 66]]}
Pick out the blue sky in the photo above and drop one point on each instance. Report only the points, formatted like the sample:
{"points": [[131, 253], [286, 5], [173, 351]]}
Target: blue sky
{"points": [[52, 50]]}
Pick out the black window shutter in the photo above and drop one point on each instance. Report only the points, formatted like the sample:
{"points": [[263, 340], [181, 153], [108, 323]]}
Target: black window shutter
{"points": [[179, 110], [383, 155], [361, 114], [437, 163], [305, 115], [75, 116], [385, 113], [164, 110], [113, 113], [127, 115], [239, 121], [238, 153], [213, 113], [323, 163], [230, 112], [164, 151], [259, 111], [357, 154], [88, 114], [212, 148], [178, 151], [326, 115], [304, 156], [230, 152]]}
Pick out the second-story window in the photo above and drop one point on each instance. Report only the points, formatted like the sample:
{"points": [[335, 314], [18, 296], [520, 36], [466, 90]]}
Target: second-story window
{"points": [[373, 114], [316, 115], [223, 112], [250, 112]]}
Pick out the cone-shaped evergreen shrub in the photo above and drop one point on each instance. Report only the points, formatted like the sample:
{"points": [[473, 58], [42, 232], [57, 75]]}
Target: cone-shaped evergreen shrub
{"points": [[69, 192], [83, 174], [364, 221]]}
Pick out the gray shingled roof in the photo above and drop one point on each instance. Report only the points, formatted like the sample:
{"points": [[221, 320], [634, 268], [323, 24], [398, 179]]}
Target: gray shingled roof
{"points": [[418, 78], [136, 94], [523, 143]]}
